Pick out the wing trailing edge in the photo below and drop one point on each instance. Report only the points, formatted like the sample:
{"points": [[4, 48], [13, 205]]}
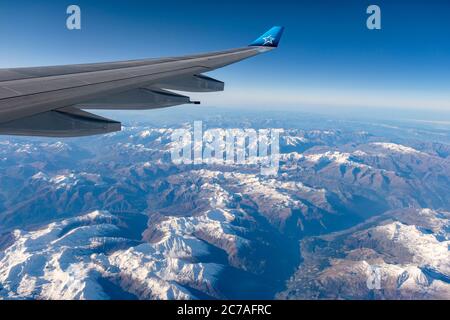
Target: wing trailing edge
{"points": [[66, 122], [137, 99], [193, 83]]}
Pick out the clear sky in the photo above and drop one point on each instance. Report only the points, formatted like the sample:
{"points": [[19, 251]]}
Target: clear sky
{"points": [[327, 56]]}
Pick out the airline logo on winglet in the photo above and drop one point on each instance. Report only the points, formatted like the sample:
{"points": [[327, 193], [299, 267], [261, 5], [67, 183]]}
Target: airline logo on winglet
{"points": [[269, 39]]}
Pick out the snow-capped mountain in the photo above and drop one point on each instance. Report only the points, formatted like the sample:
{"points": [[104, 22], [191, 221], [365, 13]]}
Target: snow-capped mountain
{"points": [[407, 249], [93, 257]]}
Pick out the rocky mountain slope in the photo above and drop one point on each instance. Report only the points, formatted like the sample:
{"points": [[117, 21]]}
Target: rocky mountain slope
{"points": [[402, 254]]}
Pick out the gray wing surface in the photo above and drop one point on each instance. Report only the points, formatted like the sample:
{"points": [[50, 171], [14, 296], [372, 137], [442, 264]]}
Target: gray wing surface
{"points": [[48, 101]]}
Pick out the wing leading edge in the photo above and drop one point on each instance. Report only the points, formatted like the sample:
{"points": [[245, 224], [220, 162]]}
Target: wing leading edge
{"points": [[47, 101]]}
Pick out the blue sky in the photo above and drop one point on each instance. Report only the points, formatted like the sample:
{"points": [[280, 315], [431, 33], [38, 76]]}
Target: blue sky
{"points": [[327, 56]]}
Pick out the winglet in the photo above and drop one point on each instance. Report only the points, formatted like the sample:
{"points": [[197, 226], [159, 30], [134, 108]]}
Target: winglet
{"points": [[269, 39]]}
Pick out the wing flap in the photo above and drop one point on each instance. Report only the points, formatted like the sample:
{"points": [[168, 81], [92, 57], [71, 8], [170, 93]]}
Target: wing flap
{"points": [[137, 99], [66, 122], [193, 83]]}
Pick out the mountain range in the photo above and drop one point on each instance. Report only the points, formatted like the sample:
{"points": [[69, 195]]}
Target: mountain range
{"points": [[112, 217]]}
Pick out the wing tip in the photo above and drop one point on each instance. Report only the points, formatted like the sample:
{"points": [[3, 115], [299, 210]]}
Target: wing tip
{"points": [[270, 38]]}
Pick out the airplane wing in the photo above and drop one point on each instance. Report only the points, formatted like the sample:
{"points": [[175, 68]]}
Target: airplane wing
{"points": [[50, 101]]}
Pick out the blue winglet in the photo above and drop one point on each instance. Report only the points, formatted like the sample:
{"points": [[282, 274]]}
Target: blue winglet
{"points": [[269, 39]]}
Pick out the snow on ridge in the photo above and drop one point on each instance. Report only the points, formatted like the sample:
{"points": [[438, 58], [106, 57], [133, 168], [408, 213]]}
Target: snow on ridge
{"points": [[169, 258], [145, 134], [148, 132], [338, 158], [40, 176], [215, 223], [405, 254], [50, 269], [283, 194], [65, 259], [397, 148], [67, 180], [294, 140], [334, 156], [56, 146], [420, 254]]}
